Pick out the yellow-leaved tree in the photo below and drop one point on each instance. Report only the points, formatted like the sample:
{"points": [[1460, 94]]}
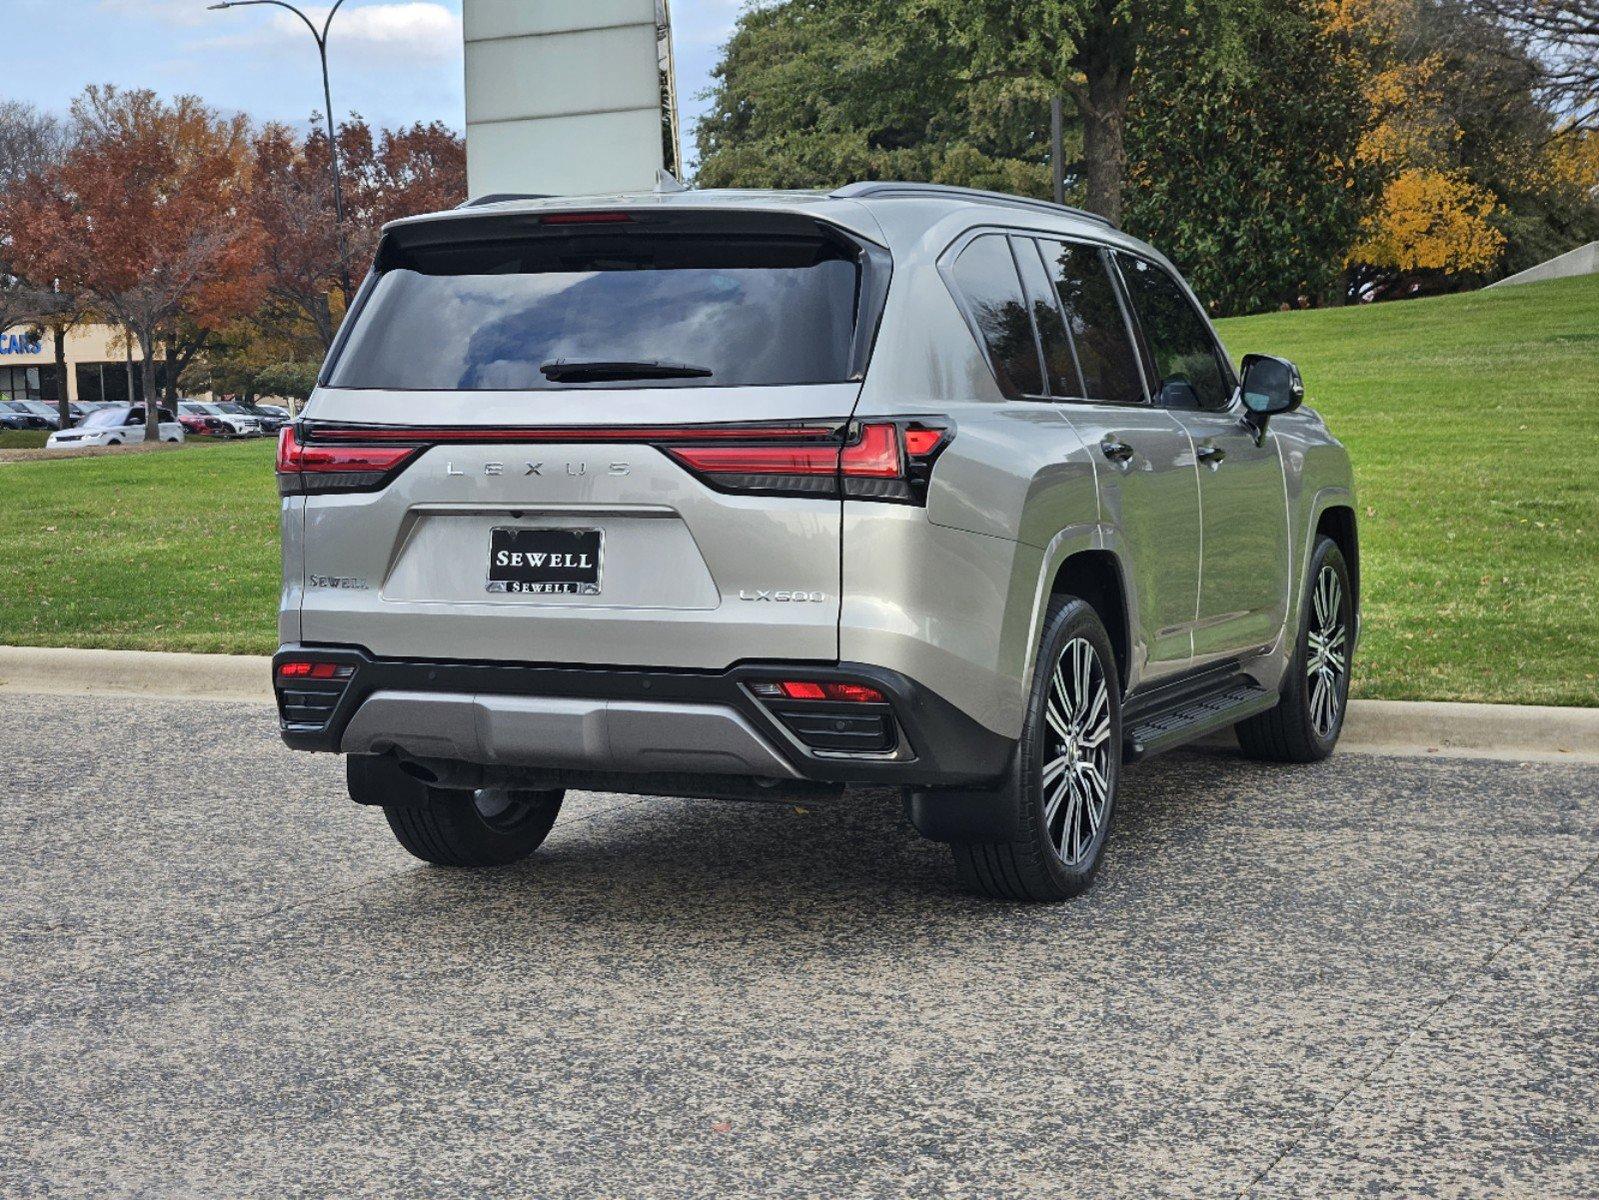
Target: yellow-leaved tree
{"points": [[1430, 222]]}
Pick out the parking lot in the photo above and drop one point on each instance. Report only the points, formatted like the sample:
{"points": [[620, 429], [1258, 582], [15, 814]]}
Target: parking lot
{"points": [[1371, 976]]}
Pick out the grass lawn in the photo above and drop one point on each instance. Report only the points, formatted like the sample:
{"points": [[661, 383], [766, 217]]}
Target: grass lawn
{"points": [[167, 550], [23, 439], [1473, 421]]}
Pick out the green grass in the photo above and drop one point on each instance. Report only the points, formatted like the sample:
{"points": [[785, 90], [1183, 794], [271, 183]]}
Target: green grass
{"points": [[22, 439], [1473, 422], [168, 550]]}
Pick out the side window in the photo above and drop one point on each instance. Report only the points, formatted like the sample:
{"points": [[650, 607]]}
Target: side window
{"points": [[1059, 360], [1099, 332], [1186, 358], [985, 279]]}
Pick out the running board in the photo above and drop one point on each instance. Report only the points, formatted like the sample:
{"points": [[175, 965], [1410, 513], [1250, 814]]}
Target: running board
{"points": [[1188, 717]]}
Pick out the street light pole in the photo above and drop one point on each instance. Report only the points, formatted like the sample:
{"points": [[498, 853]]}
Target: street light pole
{"points": [[321, 36]]}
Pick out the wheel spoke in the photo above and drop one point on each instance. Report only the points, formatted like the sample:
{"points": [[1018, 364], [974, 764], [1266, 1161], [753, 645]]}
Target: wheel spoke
{"points": [[1054, 768], [1061, 692], [1057, 722]]}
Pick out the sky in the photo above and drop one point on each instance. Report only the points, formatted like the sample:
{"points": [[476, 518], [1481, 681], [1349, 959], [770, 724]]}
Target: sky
{"points": [[392, 61]]}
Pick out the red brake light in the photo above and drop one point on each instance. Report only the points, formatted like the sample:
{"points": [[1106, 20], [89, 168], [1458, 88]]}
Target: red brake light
{"points": [[314, 670], [875, 455], [585, 218], [335, 468], [854, 693], [920, 441], [760, 460], [802, 691]]}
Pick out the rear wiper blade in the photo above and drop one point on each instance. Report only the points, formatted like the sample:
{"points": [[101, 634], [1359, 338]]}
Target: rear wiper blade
{"points": [[562, 371]]}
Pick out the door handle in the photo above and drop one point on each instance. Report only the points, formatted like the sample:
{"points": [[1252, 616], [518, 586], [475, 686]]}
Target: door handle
{"points": [[1212, 455], [1115, 450]]}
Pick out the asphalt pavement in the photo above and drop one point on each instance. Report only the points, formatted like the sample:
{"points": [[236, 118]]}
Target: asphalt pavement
{"points": [[1372, 976]]}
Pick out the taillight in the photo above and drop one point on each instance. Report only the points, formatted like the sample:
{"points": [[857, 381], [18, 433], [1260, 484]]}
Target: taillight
{"points": [[314, 670], [804, 689], [877, 460], [309, 468], [865, 460]]}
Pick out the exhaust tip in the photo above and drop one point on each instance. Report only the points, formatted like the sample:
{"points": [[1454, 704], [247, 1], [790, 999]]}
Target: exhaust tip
{"points": [[417, 771]]}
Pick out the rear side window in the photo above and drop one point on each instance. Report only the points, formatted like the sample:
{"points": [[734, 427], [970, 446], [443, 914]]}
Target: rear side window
{"points": [[705, 312], [985, 280], [1059, 360], [1187, 361], [1098, 329]]}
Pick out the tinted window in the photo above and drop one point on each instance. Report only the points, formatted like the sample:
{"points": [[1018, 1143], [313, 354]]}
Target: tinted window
{"points": [[1099, 333], [1059, 361], [1186, 361], [749, 311], [985, 278]]}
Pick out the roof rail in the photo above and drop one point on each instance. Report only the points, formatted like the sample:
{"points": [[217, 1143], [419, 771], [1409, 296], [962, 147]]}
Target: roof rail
{"points": [[499, 197], [885, 187]]}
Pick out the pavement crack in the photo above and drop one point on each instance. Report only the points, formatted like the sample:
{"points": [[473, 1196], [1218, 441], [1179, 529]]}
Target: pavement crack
{"points": [[1418, 1026]]}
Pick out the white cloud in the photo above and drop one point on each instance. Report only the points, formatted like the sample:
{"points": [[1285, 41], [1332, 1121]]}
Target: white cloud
{"points": [[411, 32], [414, 31]]}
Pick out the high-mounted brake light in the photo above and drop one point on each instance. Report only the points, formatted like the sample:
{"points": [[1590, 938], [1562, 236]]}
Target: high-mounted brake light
{"points": [[585, 218]]}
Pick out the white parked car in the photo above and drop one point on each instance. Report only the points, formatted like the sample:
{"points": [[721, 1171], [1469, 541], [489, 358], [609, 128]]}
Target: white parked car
{"points": [[235, 421], [119, 425]]}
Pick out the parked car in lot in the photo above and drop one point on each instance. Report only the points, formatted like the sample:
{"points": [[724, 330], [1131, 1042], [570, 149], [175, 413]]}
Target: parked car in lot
{"points": [[270, 419], [197, 422], [218, 420], [762, 495], [19, 414], [115, 426]]}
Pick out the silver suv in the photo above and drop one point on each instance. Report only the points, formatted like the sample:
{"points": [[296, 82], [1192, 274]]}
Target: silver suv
{"points": [[758, 495]]}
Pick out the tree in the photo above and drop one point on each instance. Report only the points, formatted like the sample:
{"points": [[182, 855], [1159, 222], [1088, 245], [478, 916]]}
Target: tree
{"points": [[820, 92], [1562, 37], [393, 174], [31, 146], [1090, 51], [145, 212], [1246, 173]]}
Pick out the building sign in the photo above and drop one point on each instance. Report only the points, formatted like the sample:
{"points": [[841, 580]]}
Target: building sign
{"points": [[20, 343], [568, 97]]}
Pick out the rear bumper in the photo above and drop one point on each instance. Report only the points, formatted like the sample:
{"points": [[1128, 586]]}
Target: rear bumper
{"points": [[628, 721]]}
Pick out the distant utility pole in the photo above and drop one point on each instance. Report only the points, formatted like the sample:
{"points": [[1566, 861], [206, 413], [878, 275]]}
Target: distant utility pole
{"points": [[321, 36], [1057, 150]]}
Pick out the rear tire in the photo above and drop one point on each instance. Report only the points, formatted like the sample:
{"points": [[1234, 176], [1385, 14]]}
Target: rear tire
{"points": [[453, 830], [490, 827], [1305, 725], [1061, 789]]}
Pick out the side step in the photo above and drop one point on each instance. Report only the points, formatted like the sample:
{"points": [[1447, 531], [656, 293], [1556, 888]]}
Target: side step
{"points": [[1190, 715]]}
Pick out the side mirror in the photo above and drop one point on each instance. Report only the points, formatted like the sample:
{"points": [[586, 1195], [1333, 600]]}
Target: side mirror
{"points": [[1270, 386]]}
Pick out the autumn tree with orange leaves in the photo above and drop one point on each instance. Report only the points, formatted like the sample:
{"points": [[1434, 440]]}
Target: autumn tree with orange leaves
{"points": [[387, 175], [146, 217]]}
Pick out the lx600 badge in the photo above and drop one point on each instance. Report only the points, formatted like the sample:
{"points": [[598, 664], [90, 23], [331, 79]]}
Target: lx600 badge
{"points": [[783, 596]]}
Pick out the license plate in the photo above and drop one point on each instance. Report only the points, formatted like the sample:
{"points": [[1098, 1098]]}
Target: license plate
{"points": [[545, 562]]}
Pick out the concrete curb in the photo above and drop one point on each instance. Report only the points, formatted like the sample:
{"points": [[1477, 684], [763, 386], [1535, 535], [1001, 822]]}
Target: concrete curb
{"points": [[135, 672], [1512, 731]]}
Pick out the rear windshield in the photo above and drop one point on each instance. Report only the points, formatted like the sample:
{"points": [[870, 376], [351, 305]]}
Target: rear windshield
{"points": [[609, 310]]}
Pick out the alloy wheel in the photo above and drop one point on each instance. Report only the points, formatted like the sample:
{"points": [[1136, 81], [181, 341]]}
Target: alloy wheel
{"points": [[1077, 768], [1327, 655]]}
